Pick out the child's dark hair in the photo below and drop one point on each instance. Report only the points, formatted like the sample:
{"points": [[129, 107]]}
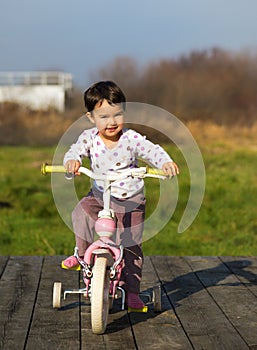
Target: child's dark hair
{"points": [[103, 90]]}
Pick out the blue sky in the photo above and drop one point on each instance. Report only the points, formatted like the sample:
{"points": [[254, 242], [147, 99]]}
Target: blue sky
{"points": [[81, 36]]}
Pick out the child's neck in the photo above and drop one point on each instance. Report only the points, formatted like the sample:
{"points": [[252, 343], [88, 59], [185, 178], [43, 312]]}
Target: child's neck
{"points": [[110, 142]]}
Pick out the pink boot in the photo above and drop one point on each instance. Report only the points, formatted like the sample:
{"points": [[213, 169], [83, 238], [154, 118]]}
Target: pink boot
{"points": [[70, 262], [134, 302]]}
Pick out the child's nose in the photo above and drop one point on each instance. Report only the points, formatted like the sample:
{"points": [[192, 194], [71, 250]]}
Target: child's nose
{"points": [[112, 120]]}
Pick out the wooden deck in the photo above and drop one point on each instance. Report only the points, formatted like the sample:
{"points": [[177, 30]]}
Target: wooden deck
{"points": [[207, 303]]}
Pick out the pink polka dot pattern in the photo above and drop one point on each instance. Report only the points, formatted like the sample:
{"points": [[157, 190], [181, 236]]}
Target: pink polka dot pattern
{"points": [[123, 155]]}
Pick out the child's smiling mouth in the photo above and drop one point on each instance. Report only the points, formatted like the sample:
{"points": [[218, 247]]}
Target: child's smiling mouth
{"points": [[112, 129]]}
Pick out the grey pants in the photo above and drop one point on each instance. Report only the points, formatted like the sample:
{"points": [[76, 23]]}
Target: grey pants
{"points": [[130, 215]]}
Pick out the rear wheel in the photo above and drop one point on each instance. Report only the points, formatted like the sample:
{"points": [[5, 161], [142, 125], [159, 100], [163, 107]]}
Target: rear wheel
{"points": [[57, 291], [100, 286], [157, 298]]}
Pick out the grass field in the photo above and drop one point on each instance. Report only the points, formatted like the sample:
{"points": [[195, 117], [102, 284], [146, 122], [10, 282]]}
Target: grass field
{"points": [[225, 225]]}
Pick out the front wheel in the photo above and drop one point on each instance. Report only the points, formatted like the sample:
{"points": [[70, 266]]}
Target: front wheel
{"points": [[100, 286]]}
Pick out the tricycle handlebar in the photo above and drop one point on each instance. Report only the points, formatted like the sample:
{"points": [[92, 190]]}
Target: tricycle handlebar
{"points": [[141, 172]]}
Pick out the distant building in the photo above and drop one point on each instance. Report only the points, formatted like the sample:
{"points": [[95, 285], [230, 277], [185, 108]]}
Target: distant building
{"points": [[38, 90]]}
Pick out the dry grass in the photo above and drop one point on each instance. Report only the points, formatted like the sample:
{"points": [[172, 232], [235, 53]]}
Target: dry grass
{"points": [[212, 136], [21, 126]]}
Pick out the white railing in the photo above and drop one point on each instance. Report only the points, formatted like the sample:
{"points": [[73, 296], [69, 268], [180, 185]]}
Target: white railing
{"points": [[38, 90], [36, 78]]}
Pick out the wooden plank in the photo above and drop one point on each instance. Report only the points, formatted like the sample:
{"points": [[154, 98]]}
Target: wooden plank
{"points": [[118, 334], [208, 303], [203, 321], [88, 339], [150, 330], [245, 268], [53, 328], [3, 263], [18, 289], [157, 330], [234, 299]]}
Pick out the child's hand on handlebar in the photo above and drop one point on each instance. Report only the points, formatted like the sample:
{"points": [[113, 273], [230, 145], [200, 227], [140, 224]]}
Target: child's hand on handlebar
{"points": [[170, 169], [72, 167]]}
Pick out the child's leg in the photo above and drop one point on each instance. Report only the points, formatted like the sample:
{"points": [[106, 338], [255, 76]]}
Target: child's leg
{"points": [[130, 215], [132, 270], [83, 218]]}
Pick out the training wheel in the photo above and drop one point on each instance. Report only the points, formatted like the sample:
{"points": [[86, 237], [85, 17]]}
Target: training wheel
{"points": [[57, 291], [157, 298]]}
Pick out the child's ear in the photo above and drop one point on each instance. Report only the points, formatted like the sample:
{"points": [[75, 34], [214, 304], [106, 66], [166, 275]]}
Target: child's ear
{"points": [[90, 117]]}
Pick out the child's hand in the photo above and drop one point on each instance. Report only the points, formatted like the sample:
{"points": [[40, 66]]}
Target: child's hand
{"points": [[170, 169], [72, 167]]}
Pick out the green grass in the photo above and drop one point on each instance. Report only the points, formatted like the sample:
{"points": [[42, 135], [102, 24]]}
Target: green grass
{"points": [[227, 222], [225, 225]]}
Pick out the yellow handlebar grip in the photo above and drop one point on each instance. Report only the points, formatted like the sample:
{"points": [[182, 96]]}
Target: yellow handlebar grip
{"points": [[155, 171], [45, 169]]}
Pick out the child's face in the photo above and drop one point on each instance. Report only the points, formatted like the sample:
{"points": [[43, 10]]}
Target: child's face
{"points": [[108, 119]]}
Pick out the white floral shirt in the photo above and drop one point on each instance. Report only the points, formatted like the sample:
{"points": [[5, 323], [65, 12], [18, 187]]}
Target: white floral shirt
{"points": [[130, 147]]}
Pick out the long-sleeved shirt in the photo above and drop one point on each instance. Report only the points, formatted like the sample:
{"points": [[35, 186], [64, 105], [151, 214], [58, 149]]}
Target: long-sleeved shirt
{"points": [[130, 147]]}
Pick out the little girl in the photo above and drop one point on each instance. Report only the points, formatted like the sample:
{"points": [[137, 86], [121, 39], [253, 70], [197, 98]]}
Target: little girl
{"points": [[111, 147]]}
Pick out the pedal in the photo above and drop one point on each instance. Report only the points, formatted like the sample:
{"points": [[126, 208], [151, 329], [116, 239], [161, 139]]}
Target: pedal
{"points": [[142, 309], [74, 268]]}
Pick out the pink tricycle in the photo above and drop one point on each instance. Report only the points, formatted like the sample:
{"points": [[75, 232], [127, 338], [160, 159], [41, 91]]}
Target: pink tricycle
{"points": [[103, 259]]}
